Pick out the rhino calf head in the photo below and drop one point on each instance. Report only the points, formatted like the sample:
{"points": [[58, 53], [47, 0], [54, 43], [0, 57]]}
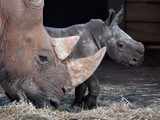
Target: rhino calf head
{"points": [[120, 46], [34, 65]]}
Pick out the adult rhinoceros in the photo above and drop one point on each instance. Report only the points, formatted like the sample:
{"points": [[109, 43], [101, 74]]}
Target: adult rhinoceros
{"points": [[94, 35], [34, 65]]}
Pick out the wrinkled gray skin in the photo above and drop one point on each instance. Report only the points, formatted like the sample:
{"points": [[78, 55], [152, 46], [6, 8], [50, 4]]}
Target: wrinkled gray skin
{"points": [[94, 35]]}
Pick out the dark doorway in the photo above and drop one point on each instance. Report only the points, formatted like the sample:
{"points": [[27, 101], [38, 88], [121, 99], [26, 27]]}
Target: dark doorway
{"points": [[62, 13]]}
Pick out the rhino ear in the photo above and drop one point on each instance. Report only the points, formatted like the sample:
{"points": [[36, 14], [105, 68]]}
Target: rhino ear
{"points": [[64, 46], [81, 69], [118, 17], [110, 17]]}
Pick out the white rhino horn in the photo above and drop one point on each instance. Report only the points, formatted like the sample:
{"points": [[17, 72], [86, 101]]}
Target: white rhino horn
{"points": [[64, 46], [81, 69]]}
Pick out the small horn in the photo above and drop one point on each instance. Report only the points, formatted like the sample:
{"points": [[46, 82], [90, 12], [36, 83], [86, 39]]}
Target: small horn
{"points": [[81, 69], [64, 46]]}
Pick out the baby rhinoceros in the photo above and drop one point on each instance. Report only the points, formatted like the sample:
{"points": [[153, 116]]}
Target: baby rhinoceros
{"points": [[33, 65], [94, 35]]}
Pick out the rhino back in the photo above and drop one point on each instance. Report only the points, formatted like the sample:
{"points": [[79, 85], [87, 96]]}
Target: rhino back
{"points": [[85, 47], [64, 32]]}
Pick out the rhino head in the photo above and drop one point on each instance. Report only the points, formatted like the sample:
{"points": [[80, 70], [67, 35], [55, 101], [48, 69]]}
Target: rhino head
{"points": [[34, 65], [120, 46]]}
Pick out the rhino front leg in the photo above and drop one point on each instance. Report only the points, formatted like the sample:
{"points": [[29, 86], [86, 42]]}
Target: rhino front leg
{"points": [[89, 101], [80, 94]]}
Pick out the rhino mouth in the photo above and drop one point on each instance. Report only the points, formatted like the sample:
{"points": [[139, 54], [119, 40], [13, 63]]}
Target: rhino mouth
{"points": [[136, 61], [133, 61]]}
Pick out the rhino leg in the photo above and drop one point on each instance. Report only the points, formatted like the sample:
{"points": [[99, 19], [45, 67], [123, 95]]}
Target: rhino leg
{"points": [[79, 95], [12, 98], [89, 101]]}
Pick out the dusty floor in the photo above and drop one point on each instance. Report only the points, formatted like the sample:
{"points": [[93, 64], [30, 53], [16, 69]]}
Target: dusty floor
{"points": [[137, 87]]}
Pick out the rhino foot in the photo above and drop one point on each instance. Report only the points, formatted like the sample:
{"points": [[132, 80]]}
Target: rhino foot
{"points": [[78, 103], [79, 95], [90, 102]]}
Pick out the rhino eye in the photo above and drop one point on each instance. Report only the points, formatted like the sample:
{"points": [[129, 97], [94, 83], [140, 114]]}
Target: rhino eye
{"points": [[120, 44], [43, 59]]}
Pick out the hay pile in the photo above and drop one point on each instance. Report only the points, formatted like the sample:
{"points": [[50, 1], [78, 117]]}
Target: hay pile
{"points": [[116, 111]]}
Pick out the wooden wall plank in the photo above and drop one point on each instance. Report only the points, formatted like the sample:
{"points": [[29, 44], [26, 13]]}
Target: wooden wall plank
{"points": [[146, 1], [143, 12], [145, 32]]}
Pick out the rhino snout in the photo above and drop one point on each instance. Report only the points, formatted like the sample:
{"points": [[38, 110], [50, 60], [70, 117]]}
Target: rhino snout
{"points": [[140, 48]]}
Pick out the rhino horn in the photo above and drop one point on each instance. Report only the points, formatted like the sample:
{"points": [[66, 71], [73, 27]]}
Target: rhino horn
{"points": [[81, 69], [64, 46]]}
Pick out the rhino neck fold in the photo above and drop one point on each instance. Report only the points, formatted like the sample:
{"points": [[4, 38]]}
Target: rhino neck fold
{"points": [[97, 30]]}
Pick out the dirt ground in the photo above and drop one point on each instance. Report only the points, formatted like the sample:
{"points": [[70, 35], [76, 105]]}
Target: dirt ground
{"points": [[139, 85], [126, 94]]}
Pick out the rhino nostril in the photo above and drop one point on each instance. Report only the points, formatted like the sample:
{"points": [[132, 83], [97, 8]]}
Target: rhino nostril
{"points": [[134, 60]]}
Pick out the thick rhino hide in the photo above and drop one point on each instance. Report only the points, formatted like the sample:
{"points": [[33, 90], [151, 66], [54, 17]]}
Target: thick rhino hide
{"points": [[36, 66]]}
